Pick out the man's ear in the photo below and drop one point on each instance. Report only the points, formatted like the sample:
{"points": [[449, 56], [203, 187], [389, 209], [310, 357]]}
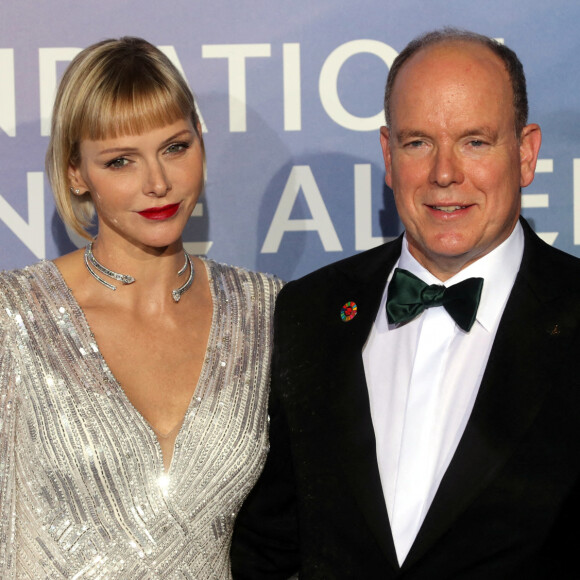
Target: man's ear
{"points": [[530, 141], [385, 145]]}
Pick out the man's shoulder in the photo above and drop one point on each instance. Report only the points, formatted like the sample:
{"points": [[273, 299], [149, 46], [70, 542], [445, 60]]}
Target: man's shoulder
{"points": [[544, 262], [567, 264], [356, 268]]}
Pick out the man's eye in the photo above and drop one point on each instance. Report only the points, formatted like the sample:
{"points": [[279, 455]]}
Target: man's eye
{"points": [[415, 144], [476, 143], [117, 163]]}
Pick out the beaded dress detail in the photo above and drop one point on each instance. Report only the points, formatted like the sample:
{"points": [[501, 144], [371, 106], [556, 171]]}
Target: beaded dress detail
{"points": [[83, 493]]}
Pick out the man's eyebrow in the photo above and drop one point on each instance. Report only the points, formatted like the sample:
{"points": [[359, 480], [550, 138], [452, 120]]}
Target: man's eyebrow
{"points": [[483, 130], [405, 134]]}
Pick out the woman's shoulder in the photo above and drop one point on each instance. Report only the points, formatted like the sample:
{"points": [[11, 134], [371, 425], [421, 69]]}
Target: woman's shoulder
{"points": [[18, 283], [21, 293], [269, 283]]}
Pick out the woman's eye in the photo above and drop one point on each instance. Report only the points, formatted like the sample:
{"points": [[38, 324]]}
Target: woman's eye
{"points": [[177, 147], [117, 163]]}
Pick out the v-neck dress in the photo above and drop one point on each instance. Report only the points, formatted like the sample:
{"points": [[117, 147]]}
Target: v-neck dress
{"points": [[83, 492]]}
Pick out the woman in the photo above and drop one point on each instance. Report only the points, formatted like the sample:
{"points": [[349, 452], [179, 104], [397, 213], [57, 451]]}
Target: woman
{"points": [[133, 377]]}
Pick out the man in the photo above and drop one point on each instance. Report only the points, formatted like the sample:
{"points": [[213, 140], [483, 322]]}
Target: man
{"points": [[419, 432]]}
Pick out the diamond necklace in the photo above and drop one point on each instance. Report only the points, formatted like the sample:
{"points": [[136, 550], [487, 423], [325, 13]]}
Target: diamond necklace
{"points": [[91, 261]]}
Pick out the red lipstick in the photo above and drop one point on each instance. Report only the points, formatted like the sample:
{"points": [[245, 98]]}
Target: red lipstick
{"points": [[160, 213]]}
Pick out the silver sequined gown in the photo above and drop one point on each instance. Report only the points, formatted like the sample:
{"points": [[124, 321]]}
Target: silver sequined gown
{"points": [[82, 488]]}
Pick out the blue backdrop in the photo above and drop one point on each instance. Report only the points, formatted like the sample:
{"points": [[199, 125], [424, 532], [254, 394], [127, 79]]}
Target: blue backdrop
{"points": [[291, 96]]}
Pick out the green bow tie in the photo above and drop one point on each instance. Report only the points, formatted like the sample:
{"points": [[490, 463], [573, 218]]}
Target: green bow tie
{"points": [[408, 296]]}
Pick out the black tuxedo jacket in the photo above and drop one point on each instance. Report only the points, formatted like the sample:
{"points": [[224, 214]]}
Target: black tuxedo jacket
{"points": [[509, 502]]}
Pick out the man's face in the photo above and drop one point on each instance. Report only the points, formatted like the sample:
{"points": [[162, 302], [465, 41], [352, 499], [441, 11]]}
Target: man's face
{"points": [[452, 156]]}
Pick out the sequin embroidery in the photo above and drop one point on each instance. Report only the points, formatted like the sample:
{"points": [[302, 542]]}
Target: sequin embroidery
{"points": [[82, 491]]}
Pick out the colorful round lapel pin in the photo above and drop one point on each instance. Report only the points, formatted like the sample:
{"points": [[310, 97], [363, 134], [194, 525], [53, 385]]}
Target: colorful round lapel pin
{"points": [[348, 311]]}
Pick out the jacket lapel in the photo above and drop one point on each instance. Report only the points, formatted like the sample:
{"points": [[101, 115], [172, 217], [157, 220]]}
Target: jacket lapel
{"points": [[349, 409], [513, 388]]}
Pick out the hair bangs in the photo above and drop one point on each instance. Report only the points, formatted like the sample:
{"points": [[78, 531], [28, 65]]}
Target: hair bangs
{"points": [[132, 112]]}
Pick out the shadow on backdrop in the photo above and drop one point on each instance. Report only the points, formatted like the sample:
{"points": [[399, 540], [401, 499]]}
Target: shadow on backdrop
{"points": [[300, 252]]}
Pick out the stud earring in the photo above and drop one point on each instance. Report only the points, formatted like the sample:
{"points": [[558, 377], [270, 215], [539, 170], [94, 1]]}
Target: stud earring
{"points": [[74, 191]]}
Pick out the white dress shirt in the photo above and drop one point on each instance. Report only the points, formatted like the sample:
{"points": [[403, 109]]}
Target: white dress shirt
{"points": [[423, 378]]}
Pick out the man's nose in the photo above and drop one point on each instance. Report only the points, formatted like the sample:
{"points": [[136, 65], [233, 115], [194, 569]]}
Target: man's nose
{"points": [[446, 169]]}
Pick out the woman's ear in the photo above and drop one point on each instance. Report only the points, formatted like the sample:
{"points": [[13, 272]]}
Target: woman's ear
{"points": [[76, 181]]}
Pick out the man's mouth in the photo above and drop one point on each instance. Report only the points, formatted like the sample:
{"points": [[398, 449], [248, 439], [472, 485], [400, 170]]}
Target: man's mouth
{"points": [[448, 208]]}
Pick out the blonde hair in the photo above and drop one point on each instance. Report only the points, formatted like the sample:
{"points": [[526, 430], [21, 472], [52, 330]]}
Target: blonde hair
{"points": [[112, 88]]}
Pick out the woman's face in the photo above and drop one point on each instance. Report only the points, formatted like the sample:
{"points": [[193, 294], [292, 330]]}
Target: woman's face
{"points": [[145, 186]]}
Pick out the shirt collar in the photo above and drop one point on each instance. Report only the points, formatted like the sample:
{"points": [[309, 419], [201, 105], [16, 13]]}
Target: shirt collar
{"points": [[498, 269]]}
